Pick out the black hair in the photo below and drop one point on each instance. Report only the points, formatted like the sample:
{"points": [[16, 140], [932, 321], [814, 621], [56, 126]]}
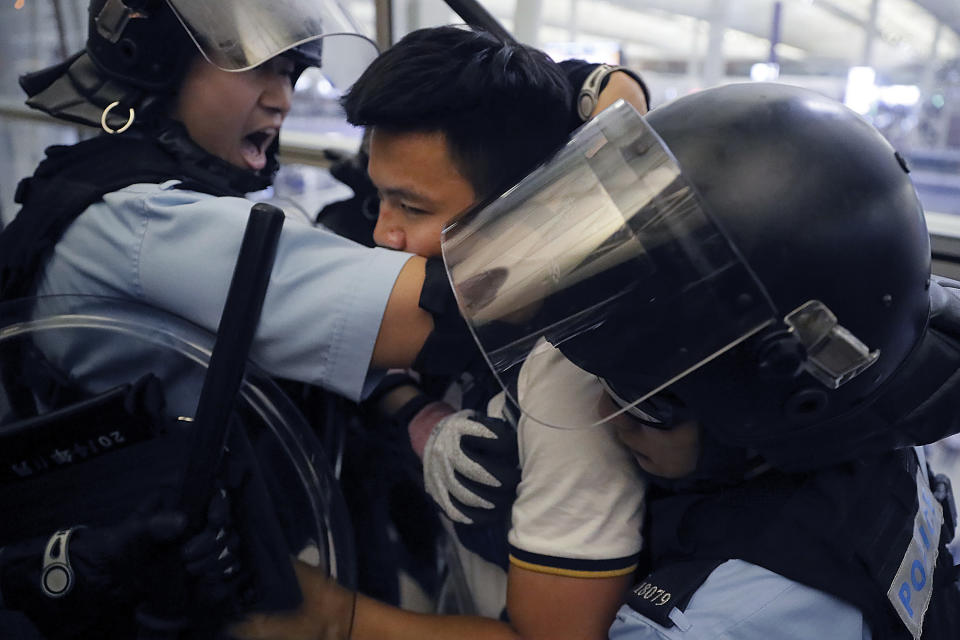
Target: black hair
{"points": [[502, 107]]}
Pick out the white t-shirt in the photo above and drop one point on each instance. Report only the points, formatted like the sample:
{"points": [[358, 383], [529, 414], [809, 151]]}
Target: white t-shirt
{"points": [[579, 505]]}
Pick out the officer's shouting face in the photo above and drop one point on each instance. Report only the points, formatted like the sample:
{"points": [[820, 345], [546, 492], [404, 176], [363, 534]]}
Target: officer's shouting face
{"points": [[420, 189], [236, 116]]}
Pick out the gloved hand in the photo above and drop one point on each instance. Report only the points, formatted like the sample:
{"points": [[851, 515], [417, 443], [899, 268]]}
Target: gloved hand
{"points": [[211, 559], [206, 567], [113, 568], [88, 576], [471, 467]]}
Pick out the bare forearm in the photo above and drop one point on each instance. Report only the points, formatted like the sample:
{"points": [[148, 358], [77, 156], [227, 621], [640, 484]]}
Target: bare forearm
{"points": [[330, 612], [405, 326], [377, 621]]}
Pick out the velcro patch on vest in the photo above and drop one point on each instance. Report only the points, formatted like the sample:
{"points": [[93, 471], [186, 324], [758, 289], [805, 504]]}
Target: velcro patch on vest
{"points": [[912, 585], [73, 434], [667, 587]]}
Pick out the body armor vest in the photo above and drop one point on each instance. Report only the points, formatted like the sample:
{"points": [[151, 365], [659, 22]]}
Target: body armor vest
{"points": [[71, 178], [867, 532]]}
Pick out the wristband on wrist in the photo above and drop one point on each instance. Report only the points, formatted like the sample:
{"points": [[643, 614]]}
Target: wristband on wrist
{"points": [[590, 90]]}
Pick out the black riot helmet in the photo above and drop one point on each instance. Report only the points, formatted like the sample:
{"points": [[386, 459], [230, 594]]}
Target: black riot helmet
{"points": [[752, 255], [140, 43], [137, 52]]}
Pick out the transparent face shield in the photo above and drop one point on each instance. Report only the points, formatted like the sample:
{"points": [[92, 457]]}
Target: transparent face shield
{"points": [[606, 255], [237, 35]]}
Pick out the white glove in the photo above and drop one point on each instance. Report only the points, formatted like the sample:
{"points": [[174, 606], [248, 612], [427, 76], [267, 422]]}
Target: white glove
{"points": [[470, 467]]}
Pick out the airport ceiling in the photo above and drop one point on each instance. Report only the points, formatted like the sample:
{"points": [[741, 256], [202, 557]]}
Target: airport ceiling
{"points": [[816, 36]]}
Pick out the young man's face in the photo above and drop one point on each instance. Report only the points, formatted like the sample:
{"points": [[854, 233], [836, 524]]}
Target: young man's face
{"points": [[420, 189], [235, 115]]}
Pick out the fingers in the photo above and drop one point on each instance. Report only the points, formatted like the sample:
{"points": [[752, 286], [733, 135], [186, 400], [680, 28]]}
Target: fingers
{"points": [[499, 503], [476, 516], [445, 501], [166, 526], [462, 464], [218, 512], [498, 447], [470, 493], [207, 555]]}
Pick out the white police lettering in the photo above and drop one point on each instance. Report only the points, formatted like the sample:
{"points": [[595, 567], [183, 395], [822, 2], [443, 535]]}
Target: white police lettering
{"points": [[75, 452], [912, 586], [653, 593]]}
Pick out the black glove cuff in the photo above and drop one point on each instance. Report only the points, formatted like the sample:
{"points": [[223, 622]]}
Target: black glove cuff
{"points": [[449, 349], [409, 410], [390, 382], [20, 570]]}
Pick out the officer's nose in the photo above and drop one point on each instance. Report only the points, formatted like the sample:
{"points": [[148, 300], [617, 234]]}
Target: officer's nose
{"points": [[387, 233], [278, 94]]}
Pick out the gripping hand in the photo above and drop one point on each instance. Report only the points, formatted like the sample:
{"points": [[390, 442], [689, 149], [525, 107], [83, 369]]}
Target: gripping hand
{"points": [[470, 467]]}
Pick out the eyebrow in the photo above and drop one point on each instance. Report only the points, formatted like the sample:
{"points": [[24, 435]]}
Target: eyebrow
{"points": [[407, 194]]}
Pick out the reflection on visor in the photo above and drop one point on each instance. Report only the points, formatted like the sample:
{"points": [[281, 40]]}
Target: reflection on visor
{"points": [[662, 410], [237, 35], [607, 253], [634, 410]]}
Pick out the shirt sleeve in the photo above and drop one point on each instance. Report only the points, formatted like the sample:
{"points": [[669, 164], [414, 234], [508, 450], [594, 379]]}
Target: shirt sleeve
{"points": [[747, 602], [579, 504], [323, 306]]}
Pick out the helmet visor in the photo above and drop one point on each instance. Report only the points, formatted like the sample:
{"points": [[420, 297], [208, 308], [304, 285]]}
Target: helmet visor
{"points": [[605, 252], [237, 35]]}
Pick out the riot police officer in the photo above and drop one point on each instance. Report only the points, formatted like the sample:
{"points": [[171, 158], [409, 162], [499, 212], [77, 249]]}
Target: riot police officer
{"points": [[747, 267]]}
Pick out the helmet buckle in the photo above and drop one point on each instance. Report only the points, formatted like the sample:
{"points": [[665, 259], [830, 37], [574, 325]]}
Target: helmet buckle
{"points": [[113, 19], [834, 355]]}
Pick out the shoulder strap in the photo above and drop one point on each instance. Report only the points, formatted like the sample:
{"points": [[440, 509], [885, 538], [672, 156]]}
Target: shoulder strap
{"points": [[68, 181]]}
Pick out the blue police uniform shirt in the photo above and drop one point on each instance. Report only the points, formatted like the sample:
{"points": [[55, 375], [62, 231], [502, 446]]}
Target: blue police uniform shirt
{"points": [[176, 249], [747, 602]]}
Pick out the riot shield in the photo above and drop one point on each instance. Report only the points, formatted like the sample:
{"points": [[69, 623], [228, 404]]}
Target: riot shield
{"points": [[96, 408]]}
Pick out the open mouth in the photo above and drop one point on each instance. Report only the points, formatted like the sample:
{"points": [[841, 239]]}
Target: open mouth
{"points": [[254, 148]]}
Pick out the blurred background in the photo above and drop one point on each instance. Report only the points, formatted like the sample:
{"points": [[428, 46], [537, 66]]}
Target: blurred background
{"points": [[897, 62]]}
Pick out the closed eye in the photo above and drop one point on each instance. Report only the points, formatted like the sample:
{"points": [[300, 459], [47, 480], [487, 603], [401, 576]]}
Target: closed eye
{"points": [[398, 201], [412, 209]]}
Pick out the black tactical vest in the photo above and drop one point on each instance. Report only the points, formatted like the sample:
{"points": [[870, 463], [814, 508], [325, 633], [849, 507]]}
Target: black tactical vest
{"points": [[71, 178], [867, 532]]}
